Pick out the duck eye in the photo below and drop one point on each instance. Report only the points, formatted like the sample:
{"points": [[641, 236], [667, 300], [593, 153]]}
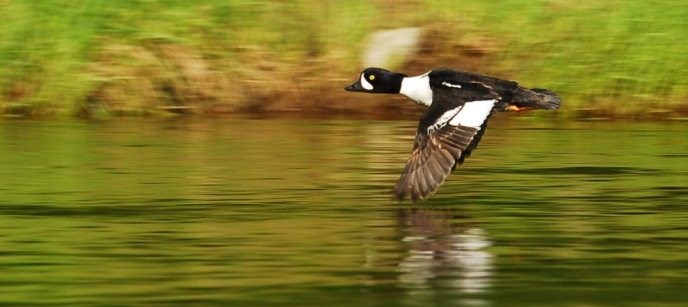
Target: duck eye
{"points": [[371, 77]]}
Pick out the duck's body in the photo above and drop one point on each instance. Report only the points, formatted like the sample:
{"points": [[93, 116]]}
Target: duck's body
{"points": [[459, 105]]}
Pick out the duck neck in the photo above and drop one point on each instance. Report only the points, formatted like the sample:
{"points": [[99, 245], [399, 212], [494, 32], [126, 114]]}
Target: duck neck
{"points": [[396, 83], [417, 89]]}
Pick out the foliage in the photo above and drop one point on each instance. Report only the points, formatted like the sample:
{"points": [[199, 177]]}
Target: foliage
{"points": [[143, 56]]}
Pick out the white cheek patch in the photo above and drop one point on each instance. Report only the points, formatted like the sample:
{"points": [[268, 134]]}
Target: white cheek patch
{"points": [[473, 114], [365, 83]]}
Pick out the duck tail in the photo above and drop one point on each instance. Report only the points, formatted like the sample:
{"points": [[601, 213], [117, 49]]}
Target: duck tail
{"points": [[534, 98], [545, 99]]}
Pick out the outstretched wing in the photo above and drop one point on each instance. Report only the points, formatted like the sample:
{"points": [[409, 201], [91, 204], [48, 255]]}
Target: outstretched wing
{"points": [[443, 140]]}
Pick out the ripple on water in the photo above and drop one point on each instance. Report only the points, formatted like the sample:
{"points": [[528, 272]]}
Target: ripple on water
{"points": [[291, 212]]}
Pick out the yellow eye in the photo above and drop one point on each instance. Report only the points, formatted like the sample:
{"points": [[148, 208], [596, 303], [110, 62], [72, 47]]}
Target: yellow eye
{"points": [[371, 77]]}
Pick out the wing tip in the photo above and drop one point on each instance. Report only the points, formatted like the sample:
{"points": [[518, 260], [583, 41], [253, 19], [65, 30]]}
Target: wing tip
{"points": [[434, 160], [401, 193]]}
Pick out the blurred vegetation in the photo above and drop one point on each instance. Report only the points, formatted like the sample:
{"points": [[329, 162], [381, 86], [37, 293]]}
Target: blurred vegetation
{"points": [[101, 58]]}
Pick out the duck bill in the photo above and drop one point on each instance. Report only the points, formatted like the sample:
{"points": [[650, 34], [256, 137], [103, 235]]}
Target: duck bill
{"points": [[356, 87]]}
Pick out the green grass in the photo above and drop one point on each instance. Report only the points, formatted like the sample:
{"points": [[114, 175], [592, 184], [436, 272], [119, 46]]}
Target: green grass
{"points": [[617, 58]]}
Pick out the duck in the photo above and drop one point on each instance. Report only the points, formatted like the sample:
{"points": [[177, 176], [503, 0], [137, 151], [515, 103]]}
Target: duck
{"points": [[459, 105]]}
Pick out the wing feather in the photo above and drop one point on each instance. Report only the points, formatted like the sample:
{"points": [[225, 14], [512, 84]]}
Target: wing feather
{"points": [[449, 130], [432, 161], [435, 155]]}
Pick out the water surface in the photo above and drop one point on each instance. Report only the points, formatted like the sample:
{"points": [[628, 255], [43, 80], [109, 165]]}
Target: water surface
{"points": [[299, 212]]}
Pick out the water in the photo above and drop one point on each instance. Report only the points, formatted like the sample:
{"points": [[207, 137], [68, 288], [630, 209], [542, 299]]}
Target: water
{"points": [[299, 212]]}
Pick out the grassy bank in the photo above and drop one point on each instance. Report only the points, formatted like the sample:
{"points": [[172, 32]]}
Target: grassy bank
{"points": [[102, 58]]}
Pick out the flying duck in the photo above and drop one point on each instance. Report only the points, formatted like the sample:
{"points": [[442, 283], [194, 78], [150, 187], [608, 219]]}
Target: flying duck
{"points": [[459, 105]]}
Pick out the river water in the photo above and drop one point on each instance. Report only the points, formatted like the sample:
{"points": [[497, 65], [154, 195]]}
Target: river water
{"points": [[276, 212]]}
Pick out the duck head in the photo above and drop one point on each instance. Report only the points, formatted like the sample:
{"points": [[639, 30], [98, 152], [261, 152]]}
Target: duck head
{"points": [[377, 81]]}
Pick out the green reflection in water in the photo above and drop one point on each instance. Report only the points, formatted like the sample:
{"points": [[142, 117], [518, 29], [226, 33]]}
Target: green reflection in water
{"points": [[272, 212]]}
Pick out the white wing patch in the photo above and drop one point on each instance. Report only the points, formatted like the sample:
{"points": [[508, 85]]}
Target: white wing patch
{"points": [[447, 84], [473, 114], [444, 119], [365, 83]]}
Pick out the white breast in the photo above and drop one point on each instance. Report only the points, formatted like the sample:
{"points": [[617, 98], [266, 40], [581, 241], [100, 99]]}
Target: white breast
{"points": [[417, 89]]}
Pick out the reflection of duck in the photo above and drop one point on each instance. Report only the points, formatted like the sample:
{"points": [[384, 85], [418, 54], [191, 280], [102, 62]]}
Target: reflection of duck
{"points": [[459, 105], [437, 249]]}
